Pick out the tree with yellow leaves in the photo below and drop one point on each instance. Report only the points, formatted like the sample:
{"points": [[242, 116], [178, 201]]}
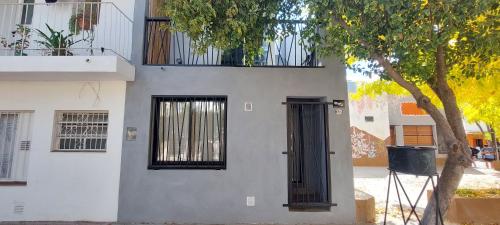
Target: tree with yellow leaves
{"points": [[414, 43], [478, 99]]}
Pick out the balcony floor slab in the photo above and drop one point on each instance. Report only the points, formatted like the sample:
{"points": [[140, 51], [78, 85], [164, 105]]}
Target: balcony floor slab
{"points": [[65, 68]]}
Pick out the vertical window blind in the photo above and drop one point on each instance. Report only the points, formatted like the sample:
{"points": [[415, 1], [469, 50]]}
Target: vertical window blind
{"points": [[15, 143]]}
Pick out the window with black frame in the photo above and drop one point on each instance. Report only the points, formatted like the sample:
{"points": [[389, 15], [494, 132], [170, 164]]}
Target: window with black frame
{"points": [[188, 132]]}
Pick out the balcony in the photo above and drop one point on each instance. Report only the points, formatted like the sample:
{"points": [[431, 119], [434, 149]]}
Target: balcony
{"points": [[82, 40], [163, 47]]}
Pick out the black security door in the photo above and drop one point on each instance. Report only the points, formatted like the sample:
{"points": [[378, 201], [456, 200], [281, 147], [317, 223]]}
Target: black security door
{"points": [[308, 161]]}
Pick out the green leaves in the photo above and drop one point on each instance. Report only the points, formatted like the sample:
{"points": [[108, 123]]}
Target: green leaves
{"points": [[56, 42], [407, 33], [229, 24]]}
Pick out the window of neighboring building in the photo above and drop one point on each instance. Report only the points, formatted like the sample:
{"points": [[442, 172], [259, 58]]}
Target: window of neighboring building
{"points": [[188, 132], [411, 109], [369, 119], [80, 131], [15, 144], [27, 13], [418, 135]]}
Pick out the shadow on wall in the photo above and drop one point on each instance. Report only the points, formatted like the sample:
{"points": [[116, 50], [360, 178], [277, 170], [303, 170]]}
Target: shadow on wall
{"points": [[367, 149]]}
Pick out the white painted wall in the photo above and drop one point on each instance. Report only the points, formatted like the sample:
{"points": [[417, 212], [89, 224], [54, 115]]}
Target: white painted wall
{"points": [[65, 186], [377, 108]]}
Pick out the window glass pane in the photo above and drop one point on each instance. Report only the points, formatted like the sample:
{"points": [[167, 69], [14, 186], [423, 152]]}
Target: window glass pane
{"points": [[27, 13], [7, 143]]}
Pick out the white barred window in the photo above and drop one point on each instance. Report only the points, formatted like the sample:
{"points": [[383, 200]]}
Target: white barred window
{"points": [[80, 131]]}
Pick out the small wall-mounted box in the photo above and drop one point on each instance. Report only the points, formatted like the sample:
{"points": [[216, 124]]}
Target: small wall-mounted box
{"points": [[131, 133], [250, 200], [248, 107]]}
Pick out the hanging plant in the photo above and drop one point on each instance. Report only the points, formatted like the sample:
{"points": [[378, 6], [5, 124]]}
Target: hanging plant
{"points": [[73, 25]]}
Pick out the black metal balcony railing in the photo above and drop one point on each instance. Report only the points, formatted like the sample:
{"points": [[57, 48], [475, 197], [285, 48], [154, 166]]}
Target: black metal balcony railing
{"points": [[165, 47]]}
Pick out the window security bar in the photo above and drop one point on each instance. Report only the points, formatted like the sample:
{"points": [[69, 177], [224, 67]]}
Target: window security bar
{"points": [[334, 103], [189, 132]]}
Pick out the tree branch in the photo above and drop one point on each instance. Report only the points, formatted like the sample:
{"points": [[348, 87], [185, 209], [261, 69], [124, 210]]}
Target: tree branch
{"points": [[422, 100], [443, 90], [480, 127]]}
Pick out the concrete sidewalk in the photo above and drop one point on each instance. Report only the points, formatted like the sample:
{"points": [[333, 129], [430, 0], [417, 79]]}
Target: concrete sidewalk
{"points": [[373, 180]]}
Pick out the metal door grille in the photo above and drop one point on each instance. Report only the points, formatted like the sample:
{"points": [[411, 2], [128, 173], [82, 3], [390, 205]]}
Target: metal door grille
{"points": [[81, 131], [189, 132], [308, 154]]}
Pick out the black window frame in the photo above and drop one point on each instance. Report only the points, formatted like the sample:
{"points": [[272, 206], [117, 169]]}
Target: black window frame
{"points": [[202, 165]]}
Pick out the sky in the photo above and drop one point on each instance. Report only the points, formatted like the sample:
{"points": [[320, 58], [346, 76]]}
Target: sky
{"points": [[355, 76]]}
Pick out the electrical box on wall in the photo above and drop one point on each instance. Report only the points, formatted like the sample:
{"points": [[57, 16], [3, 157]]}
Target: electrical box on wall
{"points": [[250, 200], [248, 107], [131, 133]]}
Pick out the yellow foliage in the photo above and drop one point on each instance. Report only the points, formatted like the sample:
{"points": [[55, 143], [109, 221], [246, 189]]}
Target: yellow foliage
{"points": [[479, 99], [350, 60]]}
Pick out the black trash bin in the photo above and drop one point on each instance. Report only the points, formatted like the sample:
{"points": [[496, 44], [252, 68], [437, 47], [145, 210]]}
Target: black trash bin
{"points": [[412, 160]]}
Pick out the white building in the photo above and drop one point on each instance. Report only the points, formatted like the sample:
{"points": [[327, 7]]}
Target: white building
{"points": [[61, 117]]}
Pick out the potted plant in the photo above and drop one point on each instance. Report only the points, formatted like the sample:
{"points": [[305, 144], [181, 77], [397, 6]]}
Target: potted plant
{"points": [[19, 41], [84, 19], [233, 57], [78, 22], [56, 42]]}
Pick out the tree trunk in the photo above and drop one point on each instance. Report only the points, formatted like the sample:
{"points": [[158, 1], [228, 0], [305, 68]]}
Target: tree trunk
{"points": [[457, 147], [447, 184], [493, 140]]}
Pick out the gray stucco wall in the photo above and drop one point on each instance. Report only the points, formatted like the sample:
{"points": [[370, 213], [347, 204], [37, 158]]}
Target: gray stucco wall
{"points": [[255, 140]]}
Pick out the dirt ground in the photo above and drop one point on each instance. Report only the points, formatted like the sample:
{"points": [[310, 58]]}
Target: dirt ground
{"points": [[373, 180]]}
